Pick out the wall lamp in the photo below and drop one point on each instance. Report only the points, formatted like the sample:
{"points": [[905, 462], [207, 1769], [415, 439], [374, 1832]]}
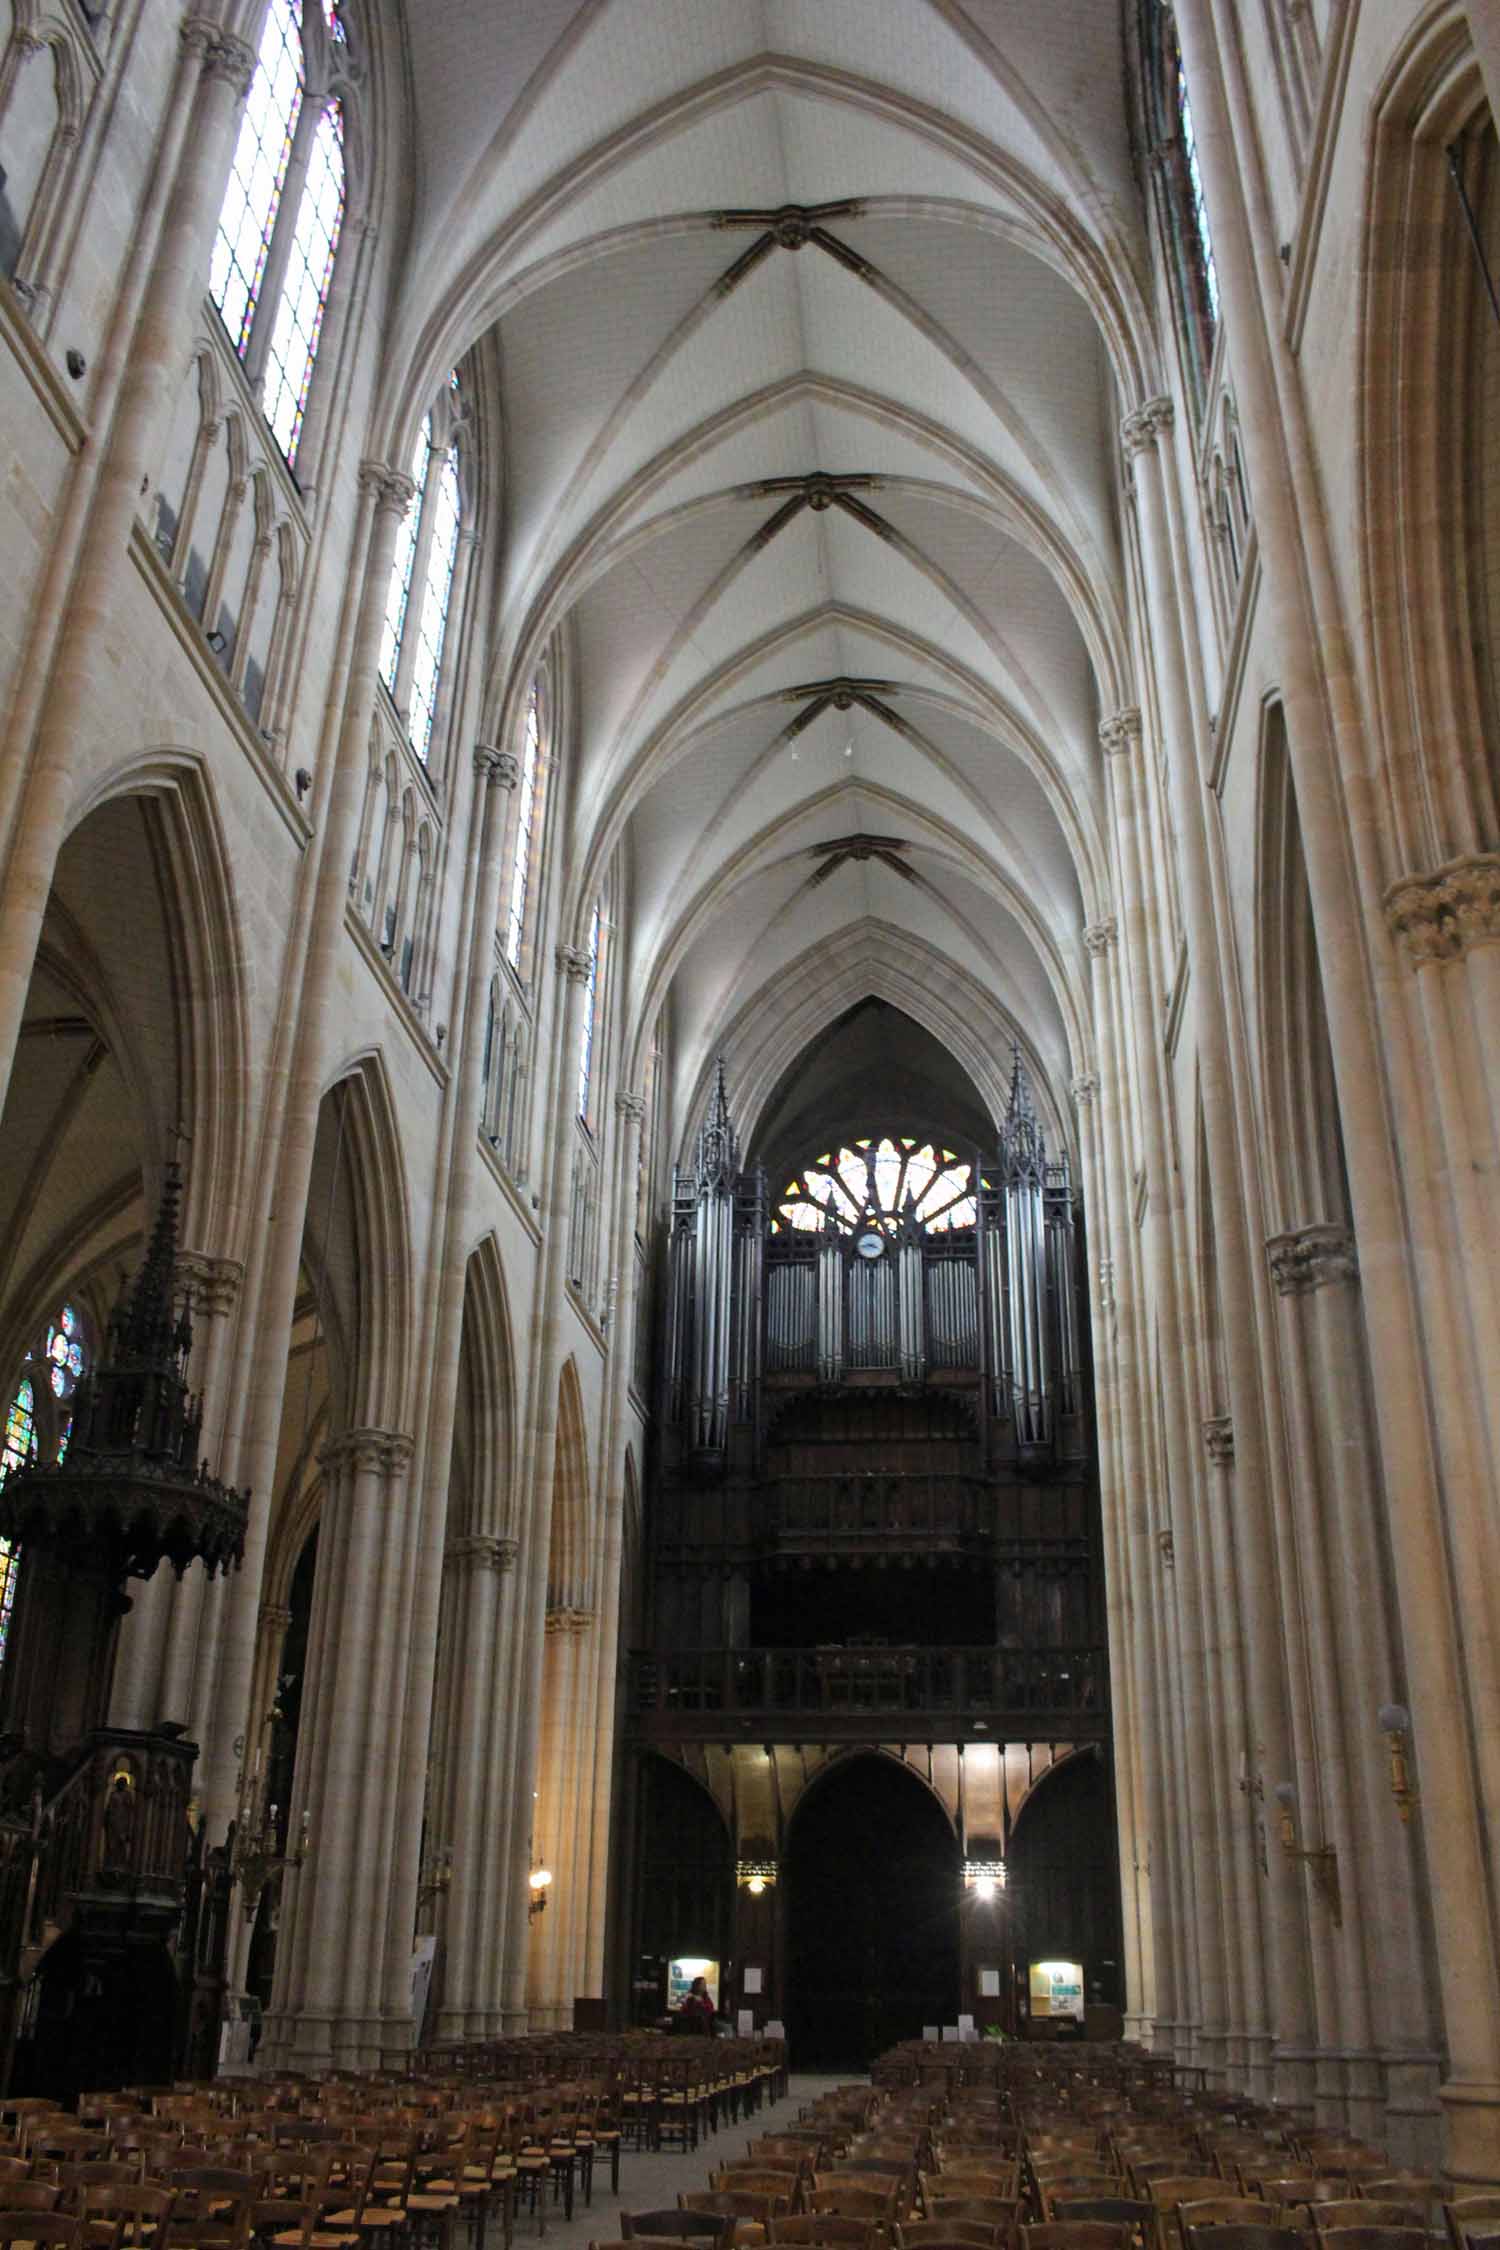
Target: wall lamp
{"points": [[436, 1874], [1320, 1860], [757, 1876], [538, 1881], [984, 1879], [1395, 1725]]}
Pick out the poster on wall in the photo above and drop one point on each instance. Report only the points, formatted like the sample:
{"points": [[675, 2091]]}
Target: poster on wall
{"points": [[1057, 1989], [680, 1975]]}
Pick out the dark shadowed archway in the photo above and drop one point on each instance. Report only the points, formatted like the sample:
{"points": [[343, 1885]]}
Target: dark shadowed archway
{"points": [[872, 1881]]}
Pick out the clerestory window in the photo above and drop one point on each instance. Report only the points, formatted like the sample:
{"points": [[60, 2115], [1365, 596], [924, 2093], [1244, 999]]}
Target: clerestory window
{"points": [[283, 212]]}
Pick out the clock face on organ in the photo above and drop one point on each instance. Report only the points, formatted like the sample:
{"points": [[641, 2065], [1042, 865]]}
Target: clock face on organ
{"points": [[870, 1244]]}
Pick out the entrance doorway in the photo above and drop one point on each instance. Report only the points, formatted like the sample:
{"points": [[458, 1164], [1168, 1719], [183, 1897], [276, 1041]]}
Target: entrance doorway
{"points": [[872, 1886]]}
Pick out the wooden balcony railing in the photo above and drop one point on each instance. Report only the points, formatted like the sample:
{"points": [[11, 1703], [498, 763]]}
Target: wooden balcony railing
{"points": [[1002, 1693]]}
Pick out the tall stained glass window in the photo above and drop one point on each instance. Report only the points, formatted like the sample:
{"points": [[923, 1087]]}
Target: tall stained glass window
{"points": [[520, 872], [252, 199], [35, 1422], [878, 1183], [304, 296], [398, 598], [432, 624], [1198, 202], [586, 1040]]}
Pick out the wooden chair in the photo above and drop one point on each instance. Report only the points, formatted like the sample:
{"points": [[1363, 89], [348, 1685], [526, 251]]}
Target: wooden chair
{"points": [[1470, 2218], [1134, 2212], [1000, 2212], [1383, 2238], [677, 2226], [860, 2199], [212, 2207], [1074, 2234], [1359, 2211], [829, 2229], [1226, 2211], [786, 2192], [1068, 2186], [32, 2195], [115, 2216], [977, 2178], [949, 2234], [1261, 2235], [58, 2230]]}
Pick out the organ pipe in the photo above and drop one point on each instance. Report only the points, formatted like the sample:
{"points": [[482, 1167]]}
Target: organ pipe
{"points": [[997, 1295]]}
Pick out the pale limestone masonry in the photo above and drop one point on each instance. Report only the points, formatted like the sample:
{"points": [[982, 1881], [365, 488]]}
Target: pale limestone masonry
{"points": [[1161, 648]]}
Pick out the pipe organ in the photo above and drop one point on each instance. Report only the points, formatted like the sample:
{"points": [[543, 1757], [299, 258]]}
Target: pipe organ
{"points": [[860, 1283], [872, 1515]]}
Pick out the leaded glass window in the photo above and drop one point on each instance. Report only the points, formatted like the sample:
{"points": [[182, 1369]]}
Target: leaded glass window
{"points": [[432, 625], [880, 1182], [398, 598], [247, 218], [32, 1423], [20, 1443], [586, 1041], [299, 316], [520, 873], [1198, 204]]}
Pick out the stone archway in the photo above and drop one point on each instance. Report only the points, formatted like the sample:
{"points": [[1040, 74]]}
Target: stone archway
{"points": [[872, 1897]]}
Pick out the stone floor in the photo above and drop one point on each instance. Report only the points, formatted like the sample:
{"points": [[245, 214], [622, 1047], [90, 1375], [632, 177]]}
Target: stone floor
{"points": [[650, 2182]]}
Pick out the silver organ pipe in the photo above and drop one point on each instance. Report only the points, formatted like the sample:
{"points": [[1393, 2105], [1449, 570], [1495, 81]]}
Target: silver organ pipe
{"points": [[830, 1308], [913, 1340]]}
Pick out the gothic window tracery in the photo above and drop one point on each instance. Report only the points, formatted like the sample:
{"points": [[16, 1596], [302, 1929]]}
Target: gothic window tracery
{"points": [[586, 1037], [39, 1422], [526, 808], [282, 215], [879, 1182], [304, 298], [257, 175], [1182, 206]]}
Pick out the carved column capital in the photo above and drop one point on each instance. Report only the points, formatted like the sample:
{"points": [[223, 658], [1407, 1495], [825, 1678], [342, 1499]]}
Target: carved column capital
{"points": [[1308, 1257], [212, 1283], [1084, 1087], [573, 963], [391, 489], [501, 769], [1100, 936], [1141, 428], [274, 1618], [1440, 916], [1218, 1436], [630, 1107], [232, 61], [1166, 1547], [389, 1451], [198, 35], [480, 1550], [1120, 732]]}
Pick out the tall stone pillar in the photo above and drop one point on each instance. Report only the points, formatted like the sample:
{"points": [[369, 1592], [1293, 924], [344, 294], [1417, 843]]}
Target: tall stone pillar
{"points": [[325, 2012], [480, 1565], [1255, 1600], [532, 1604], [1383, 2080], [224, 1682]]}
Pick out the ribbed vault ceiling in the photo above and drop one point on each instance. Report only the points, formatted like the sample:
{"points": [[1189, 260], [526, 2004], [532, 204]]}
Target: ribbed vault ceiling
{"points": [[814, 321]]}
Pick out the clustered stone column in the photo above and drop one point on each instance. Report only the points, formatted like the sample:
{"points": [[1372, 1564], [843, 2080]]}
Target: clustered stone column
{"points": [[331, 1961], [481, 1578]]}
